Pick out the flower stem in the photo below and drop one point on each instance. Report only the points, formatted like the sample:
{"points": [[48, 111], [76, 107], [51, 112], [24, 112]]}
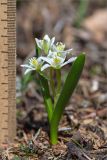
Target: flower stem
{"points": [[58, 76], [47, 97], [54, 127], [53, 133], [52, 82]]}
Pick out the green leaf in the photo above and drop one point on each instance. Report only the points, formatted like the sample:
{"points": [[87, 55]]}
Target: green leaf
{"points": [[44, 75], [68, 88], [47, 97], [37, 51], [26, 79]]}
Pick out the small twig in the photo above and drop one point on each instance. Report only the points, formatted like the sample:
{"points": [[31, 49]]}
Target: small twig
{"points": [[25, 138], [63, 129], [99, 151], [85, 155], [36, 135]]}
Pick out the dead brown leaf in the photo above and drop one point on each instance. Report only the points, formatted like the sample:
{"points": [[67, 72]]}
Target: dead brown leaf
{"points": [[96, 25]]}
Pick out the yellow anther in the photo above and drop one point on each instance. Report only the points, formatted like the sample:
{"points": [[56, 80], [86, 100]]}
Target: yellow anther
{"points": [[57, 60], [34, 62]]}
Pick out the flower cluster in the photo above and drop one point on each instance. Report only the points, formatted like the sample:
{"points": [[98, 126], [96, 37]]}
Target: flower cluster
{"points": [[55, 94], [55, 55]]}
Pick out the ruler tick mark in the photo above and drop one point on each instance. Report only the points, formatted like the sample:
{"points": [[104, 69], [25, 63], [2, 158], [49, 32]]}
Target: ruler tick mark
{"points": [[8, 20], [6, 107], [9, 12], [6, 60], [4, 20], [3, 3], [4, 98], [3, 36], [3, 83], [5, 113], [5, 128], [7, 28], [5, 67], [4, 52]]}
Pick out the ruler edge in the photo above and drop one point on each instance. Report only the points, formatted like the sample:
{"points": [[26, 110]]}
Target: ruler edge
{"points": [[12, 86]]}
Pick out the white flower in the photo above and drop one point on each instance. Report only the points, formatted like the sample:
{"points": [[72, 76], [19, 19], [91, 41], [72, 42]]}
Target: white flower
{"points": [[59, 48], [56, 55], [34, 64], [55, 61], [46, 44], [61, 54]]}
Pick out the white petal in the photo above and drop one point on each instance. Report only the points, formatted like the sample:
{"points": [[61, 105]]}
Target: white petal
{"points": [[66, 51], [45, 66], [39, 43], [69, 61], [46, 38], [54, 49], [51, 54], [48, 60], [26, 66], [62, 55], [39, 60], [28, 70], [52, 41]]}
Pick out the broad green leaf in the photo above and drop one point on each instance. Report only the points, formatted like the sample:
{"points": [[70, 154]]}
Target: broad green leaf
{"points": [[68, 88], [47, 97]]}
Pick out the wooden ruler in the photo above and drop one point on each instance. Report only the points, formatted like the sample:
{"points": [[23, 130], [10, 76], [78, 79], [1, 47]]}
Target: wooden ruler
{"points": [[7, 71]]}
